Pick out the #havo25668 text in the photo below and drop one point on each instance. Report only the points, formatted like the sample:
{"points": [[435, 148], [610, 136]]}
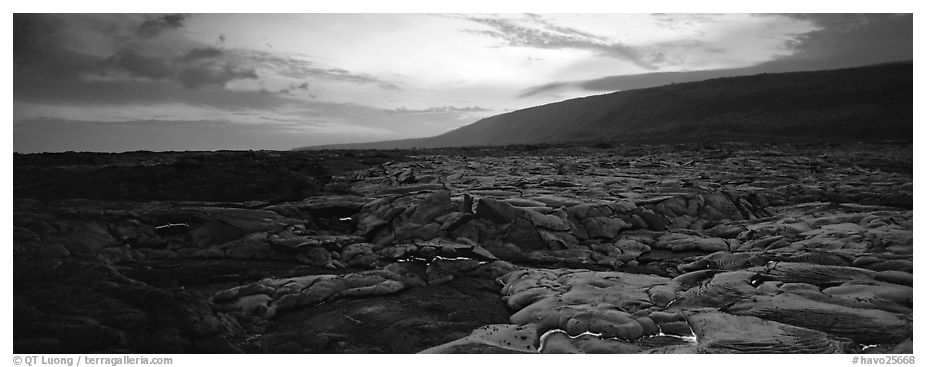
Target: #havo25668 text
{"points": [[886, 360]]}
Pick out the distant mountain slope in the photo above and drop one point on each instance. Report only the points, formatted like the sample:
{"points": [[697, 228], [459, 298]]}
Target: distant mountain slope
{"points": [[865, 103]]}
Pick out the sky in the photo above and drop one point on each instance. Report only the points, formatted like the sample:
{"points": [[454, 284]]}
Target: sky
{"points": [[125, 82]]}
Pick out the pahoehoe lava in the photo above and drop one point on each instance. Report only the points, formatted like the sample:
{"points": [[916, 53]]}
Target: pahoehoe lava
{"points": [[691, 248]]}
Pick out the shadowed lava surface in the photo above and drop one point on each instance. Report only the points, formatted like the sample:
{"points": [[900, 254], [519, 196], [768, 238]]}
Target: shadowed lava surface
{"points": [[700, 248]]}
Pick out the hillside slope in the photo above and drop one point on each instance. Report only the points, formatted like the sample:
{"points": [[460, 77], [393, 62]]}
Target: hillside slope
{"points": [[865, 103]]}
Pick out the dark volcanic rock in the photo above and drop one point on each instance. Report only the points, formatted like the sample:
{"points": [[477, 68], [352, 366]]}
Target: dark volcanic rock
{"points": [[224, 176], [93, 308], [852, 320], [719, 332], [716, 248], [269, 296]]}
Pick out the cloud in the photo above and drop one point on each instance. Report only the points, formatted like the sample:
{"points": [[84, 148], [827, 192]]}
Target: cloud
{"points": [[42, 47], [551, 36], [152, 100], [182, 127], [197, 68], [211, 76], [637, 81], [442, 109], [152, 27], [677, 52], [202, 53], [173, 111], [118, 92], [677, 21], [542, 33], [295, 67], [74, 46], [137, 64], [568, 31], [840, 40], [51, 135], [543, 89], [304, 86], [844, 40], [114, 47]]}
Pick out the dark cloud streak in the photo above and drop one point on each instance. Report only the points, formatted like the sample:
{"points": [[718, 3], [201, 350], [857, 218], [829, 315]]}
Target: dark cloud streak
{"points": [[565, 30], [298, 68], [202, 53], [209, 76], [442, 109], [304, 86], [555, 37], [543, 89], [153, 27], [141, 65], [200, 67]]}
